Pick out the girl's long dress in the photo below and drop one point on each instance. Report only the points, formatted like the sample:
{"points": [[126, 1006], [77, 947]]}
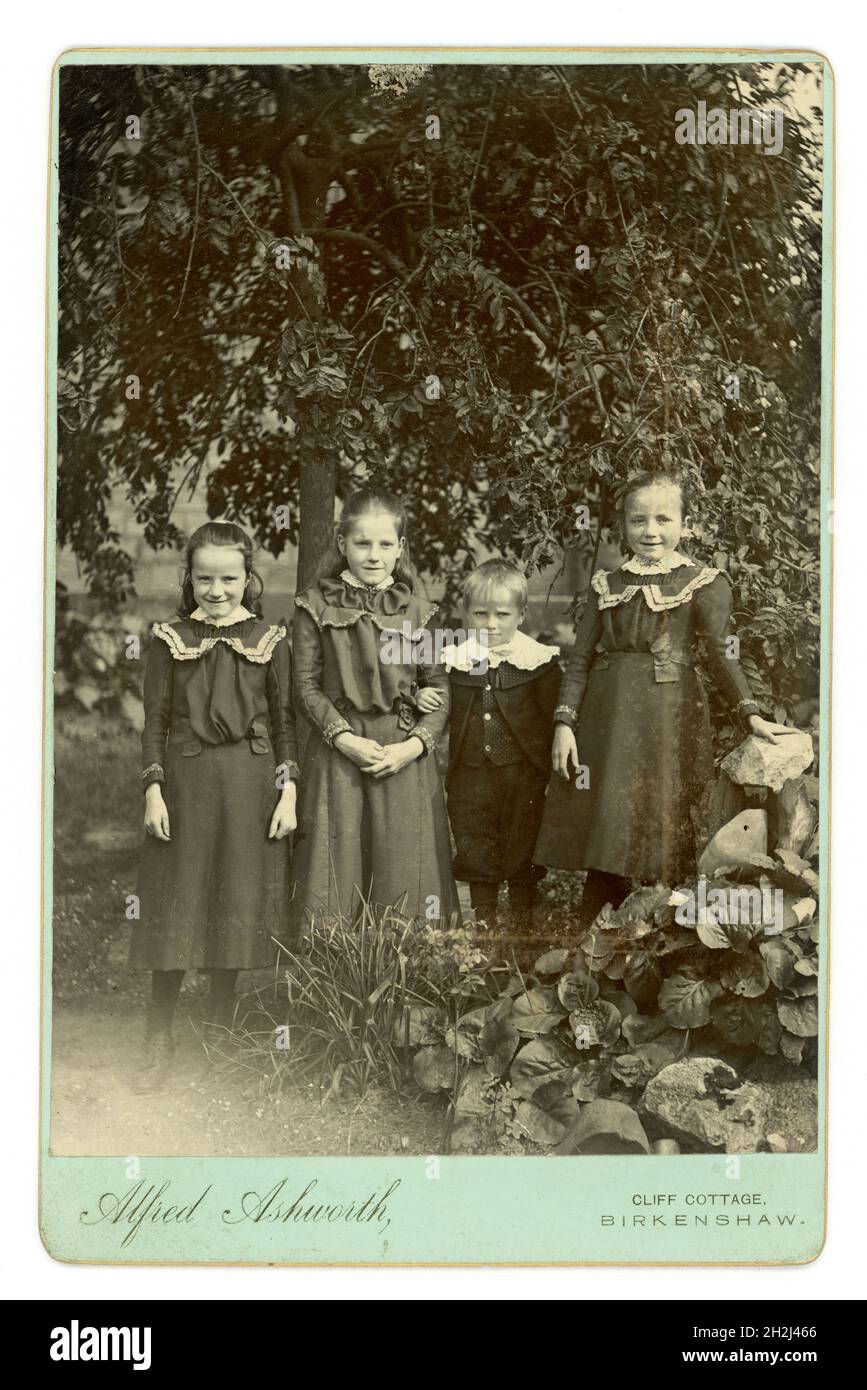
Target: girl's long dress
{"points": [[218, 726], [385, 841], [639, 709]]}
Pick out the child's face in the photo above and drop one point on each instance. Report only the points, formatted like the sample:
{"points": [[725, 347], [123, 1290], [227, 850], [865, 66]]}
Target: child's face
{"points": [[372, 547], [498, 614], [653, 521], [218, 577]]}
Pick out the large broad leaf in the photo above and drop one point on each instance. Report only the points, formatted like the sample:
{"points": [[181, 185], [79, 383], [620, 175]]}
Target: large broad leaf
{"points": [[538, 1125], [641, 1028], [467, 1037], [642, 977], [537, 1011], [587, 1079], [779, 960], [739, 1021], [799, 1016], [686, 1003], [595, 1025], [641, 904], [539, 1061], [500, 1040], [597, 950], [744, 974], [552, 962], [434, 1068], [792, 1048], [576, 990]]}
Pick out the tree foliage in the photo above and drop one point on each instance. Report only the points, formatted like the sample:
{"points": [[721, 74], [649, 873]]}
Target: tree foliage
{"points": [[311, 291]]}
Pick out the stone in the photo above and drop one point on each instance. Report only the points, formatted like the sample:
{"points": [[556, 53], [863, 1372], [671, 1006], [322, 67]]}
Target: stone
{"points": [[796, 817], [758, 763], [701, 1102], [605, 1127], [736, 842]]}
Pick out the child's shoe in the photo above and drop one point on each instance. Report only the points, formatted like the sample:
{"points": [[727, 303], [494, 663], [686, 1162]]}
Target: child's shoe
{"points": [[158, 1050]]}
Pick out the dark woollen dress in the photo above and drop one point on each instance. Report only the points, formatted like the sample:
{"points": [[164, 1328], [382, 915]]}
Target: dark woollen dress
{"points": [[218, 723], [387, 840], [640, 714]]}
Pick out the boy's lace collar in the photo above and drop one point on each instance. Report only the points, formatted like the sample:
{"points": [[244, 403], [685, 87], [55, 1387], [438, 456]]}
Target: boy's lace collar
{"points": [[523, 652], [664, 565], [237, 615], [349, 578]]}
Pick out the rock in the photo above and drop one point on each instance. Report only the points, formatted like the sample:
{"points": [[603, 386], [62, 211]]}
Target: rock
{"points": [[132, 710], [758, 763], [605, 1127], [666, 1146], [701, 1102], [735, 843], [776, 1144], [796, 818]]}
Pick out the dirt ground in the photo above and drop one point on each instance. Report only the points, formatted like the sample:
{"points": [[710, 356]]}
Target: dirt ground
{"points": [[94, 1110]]}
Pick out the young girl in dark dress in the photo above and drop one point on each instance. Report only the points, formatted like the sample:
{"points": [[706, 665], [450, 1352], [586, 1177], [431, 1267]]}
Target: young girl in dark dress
{"points": [[372, 819], [219, 767], [619, 802]]}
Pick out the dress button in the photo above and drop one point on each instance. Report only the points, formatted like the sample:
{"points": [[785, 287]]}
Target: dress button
{"points": [[487, 716], [487, 748]]}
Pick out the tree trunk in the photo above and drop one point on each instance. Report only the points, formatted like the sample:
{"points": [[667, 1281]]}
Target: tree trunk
{"points": [[316, 496]]}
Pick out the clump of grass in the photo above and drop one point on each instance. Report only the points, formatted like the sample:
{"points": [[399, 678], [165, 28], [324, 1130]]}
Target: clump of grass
{"points": [[344, 1002]]}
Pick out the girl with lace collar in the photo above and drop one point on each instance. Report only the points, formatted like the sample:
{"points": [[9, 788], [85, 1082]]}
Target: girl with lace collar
{"points": [[632, 696], [504, 687], [372, 819], [219, 768]]}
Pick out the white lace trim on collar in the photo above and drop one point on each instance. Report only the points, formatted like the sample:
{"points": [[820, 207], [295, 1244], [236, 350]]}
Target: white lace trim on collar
{"points": [[349, 578], [237, 615], [523, 652], [664, 565]]}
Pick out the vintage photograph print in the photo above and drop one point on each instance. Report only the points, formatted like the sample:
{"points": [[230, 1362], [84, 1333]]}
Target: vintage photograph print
{"points": [[437, 656]]}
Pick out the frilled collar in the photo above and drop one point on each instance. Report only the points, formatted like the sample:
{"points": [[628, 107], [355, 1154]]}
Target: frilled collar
{"points": [[523, 652], [237, 615], [664, 565], [338, 592], [349, 578]]}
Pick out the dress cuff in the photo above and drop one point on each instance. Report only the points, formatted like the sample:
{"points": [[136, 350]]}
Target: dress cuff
{"points": [[337, 726], [426, 737], [746, 708], [565, 714], [152, 773], [291, 769]]}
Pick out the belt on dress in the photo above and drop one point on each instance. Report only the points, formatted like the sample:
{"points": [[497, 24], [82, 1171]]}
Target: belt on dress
{"points": [[666, 659]]}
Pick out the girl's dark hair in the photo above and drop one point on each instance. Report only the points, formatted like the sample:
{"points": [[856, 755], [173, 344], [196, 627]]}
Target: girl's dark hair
{"points": [[362, 503], [651, 478], [232, 537]]}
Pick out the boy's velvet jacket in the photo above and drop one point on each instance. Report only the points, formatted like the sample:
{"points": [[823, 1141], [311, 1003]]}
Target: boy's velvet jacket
{"points": [[526, 698]]}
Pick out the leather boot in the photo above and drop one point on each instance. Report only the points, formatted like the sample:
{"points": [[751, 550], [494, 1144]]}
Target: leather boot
{"points": [[158, 1049]]}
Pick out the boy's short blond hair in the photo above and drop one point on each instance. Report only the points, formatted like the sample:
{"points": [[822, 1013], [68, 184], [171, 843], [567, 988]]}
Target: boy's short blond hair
{"points": [[496, 576]]}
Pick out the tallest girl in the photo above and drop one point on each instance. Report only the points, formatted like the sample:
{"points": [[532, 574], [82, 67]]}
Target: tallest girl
{"points": [[372, 822]]}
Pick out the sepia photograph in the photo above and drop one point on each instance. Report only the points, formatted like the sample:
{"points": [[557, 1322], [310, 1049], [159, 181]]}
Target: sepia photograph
{"points": [[439, 711]]}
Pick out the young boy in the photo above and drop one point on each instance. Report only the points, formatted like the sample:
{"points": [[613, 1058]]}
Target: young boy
{"points": [[504, 689]]}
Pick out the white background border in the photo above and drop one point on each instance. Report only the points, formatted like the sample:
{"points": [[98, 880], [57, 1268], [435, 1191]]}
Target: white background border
{"points": [[33, 37]]}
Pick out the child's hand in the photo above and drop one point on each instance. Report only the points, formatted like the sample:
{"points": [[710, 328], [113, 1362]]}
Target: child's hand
{"points": [[156, 815], [395, 757], [564, 749], [361, 751], [763, 728], [428, 699], [284, 819]]}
